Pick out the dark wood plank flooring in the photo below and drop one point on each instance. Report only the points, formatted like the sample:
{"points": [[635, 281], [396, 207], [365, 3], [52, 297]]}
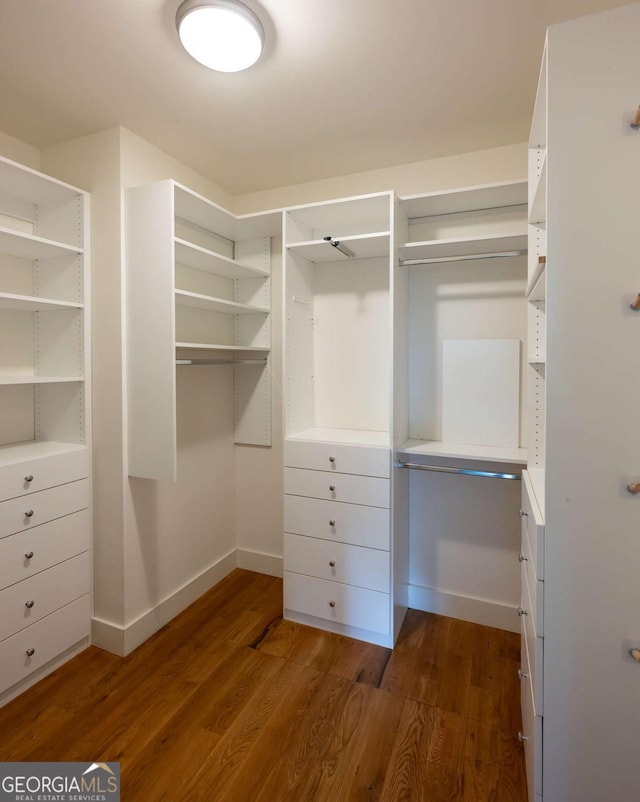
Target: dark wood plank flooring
{"points": [[229, 703]]}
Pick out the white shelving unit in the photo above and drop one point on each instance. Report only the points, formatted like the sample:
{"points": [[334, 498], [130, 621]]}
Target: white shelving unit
{"points": [[198, 288], [45, 519]]}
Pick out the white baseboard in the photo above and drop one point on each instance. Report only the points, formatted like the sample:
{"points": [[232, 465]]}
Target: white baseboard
{"points": [[261, 563], [478, 611]]}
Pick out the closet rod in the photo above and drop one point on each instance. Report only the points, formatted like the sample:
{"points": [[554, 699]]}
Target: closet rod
{"points": [[221, 361], [205, 230], [414, 466], [427, 218], [440, 259]]}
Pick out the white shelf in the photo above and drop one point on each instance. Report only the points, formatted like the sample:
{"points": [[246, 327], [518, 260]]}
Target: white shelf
{"points": [[435, 448], [28, 246], [457, 201], [30, 303], [364, 246], [208, 302], [358, 437], [464, 246], [36, 449], [250, 349], [537, 360], [191, 255], [12, 380], [538, 210], [537, 289]]}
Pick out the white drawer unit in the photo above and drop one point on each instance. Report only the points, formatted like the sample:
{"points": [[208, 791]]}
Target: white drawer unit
{"points": [[532, 650], [532, 525], [337, 603], [361, 460], [36, 549], [33, 647], [368, 490], [26, 602], [531, 736], [40, 473], [332, 520], [26, 512], [351, 565], [532, 597]]}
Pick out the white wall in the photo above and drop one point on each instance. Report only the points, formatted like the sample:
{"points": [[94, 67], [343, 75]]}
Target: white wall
{"points": [[18, 151]]}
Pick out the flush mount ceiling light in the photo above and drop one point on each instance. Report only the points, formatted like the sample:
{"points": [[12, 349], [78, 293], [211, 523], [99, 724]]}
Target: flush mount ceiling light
{"points": [[223, 35]]}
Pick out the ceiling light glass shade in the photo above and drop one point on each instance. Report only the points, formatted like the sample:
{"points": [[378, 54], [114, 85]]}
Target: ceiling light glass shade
{"points": [[223, 35]]}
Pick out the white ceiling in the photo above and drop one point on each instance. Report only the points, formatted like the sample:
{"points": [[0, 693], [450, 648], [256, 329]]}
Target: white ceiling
{"points": [[344, 86]]}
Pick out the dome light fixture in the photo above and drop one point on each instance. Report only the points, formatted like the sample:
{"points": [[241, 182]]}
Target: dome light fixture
{"points": [[223, 35]]}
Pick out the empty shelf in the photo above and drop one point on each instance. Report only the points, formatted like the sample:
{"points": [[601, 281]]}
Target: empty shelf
{"points": [[436, 448]]}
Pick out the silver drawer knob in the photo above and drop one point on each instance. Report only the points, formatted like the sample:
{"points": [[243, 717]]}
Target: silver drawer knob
{"points": [[522, 737], [332, 523], [28, 555], [332, 488], [522, 558], [30, 652], [522, 674], [29, 604], [521, 611], [29, 513], [332, 460], [332, 604], [332, 563], [29, 478]]}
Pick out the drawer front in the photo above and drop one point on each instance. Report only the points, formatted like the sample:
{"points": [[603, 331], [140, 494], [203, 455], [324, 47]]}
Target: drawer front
{"points": [[532, 596], [27, 602], [340, 523], [44, 472], [532, 527], [362, 460], [44, 506], [47, 638], [351, 565], [332, 601], [48, 544], [350, 488], [533, 648], [532, 730]]}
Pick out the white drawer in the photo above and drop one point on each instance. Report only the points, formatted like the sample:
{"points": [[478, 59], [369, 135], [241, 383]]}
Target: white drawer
{"points": [[532, 651], [368, 490], [36, 645], [352, 565], [332, 601], [363, 460], [48, 544], [45, 472], [532, 526], [532, 597], [532, 730], [43, 506], [26, 602], [340, 523]]}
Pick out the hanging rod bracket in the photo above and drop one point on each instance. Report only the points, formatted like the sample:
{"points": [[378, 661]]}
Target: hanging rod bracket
{"points": [[416, 466], [340, 246]]}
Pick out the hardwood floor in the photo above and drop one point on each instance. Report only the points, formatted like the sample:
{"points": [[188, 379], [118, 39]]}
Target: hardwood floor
{"points": [[229, 703]]}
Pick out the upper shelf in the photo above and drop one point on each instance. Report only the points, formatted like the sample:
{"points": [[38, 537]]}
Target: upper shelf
{"points": [[363, 246], [463, 246], [191, 255], [28, 246], [457, 201], [436, 448], [249, 349], [30, 186], [30, 303], [12, 380], [211, 304]]}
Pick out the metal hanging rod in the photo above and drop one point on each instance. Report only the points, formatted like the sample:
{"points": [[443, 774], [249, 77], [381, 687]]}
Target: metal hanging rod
{"points": [[414, 466], [205, 230], [340, 246], [440, 259], [221, 361], [427, 218]]}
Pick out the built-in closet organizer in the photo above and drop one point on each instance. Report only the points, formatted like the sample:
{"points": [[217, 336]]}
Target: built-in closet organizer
{"points": [[345, 570], [459, 394], [45, 520], [198, 293]]}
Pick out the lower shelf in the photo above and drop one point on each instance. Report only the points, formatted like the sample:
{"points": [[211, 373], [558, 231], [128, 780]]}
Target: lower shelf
{"points": [[36, 449], [356, 437], [435, 448]]}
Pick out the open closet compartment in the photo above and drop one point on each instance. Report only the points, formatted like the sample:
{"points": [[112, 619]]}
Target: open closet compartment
{"points": [[338, 289], [198, 293], [43, 322], [464, 253]]}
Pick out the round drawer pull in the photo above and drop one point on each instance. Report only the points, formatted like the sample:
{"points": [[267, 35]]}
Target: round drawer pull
{"points": [[522, 674], [332, 488], [522, 737], [332, 523], [332, 604], [522, 558], [30, 652], [332, 460], [28, 555], [332, 563], [521, 611], [29, 478], [29, 513], [29, 604]]}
